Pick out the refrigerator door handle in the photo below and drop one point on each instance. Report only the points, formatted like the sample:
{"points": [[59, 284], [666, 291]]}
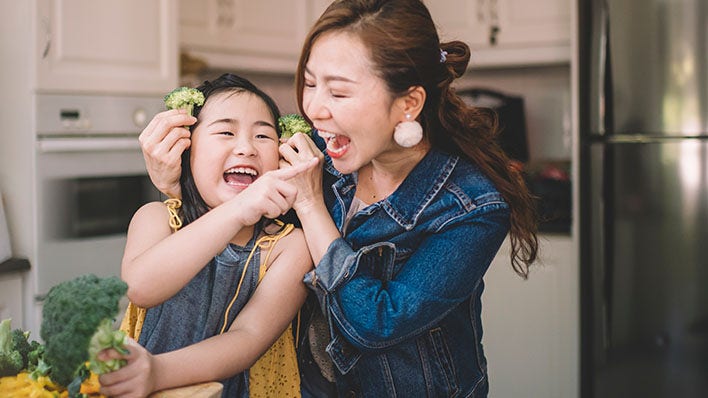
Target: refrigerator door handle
{"points": [[601, 81]]}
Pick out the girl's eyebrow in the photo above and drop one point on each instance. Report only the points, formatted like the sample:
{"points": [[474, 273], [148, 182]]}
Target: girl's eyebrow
{"points": [[264, 123], [234, 121], [224, 120]]}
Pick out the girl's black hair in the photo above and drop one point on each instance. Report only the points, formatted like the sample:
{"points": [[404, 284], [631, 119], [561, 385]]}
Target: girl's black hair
{"points": [[193, 205]]}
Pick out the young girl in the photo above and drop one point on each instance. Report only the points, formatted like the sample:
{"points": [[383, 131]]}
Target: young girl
{"points": [[208, 317]]}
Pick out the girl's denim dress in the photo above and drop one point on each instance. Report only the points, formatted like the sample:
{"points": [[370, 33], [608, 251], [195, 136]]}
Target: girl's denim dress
{"points": [[197, 311], [401, 289]]}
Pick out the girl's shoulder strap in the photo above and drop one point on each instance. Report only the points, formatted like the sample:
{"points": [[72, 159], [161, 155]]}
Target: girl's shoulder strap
{"points": [[268, 241]]}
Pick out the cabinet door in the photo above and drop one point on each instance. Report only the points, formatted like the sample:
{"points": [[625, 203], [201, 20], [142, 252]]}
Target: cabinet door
{"points": [[463, 20], [106, 46], [531, 327], [11, 298], [264, 35], [534, 23], [507, 32]]}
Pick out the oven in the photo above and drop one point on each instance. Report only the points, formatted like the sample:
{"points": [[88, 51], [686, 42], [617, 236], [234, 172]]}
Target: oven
{"points": [[91, 178]]}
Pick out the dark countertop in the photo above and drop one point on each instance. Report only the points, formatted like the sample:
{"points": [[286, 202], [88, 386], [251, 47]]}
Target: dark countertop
{"points": [[14, 265]]}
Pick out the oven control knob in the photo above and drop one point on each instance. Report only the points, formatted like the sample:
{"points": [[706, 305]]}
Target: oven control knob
{"points": [[140, 117]]}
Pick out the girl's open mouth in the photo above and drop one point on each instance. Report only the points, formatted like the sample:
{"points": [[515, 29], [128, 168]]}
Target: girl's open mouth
{"points": [[240, 176]]}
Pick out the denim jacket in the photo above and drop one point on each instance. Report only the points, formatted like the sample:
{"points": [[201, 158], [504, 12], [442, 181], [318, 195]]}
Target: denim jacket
{"points": [[401, 288]]}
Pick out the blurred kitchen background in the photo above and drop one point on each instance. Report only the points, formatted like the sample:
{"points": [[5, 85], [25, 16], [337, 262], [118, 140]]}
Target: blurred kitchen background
{"points": [[81, 78]]}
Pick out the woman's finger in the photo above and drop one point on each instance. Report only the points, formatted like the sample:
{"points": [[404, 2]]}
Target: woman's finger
{"points": [[296, 168]]}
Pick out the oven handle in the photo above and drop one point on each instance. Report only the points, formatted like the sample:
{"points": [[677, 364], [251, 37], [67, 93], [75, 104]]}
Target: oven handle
{"points": [[85, 144]]}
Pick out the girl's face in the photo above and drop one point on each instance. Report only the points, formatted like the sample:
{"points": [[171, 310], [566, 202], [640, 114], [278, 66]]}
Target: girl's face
{"points": [[233, 144], [348, 104]]}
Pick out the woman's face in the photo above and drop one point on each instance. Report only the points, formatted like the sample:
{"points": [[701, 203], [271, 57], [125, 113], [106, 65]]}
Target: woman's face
{"points": [[234, 143], [348, 104]]}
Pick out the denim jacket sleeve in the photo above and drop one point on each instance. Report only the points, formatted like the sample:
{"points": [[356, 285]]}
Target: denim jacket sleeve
{"points": [[375, 311]]}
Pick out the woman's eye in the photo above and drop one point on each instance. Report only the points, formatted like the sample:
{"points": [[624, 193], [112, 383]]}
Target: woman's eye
{"points": [[226, 133]]}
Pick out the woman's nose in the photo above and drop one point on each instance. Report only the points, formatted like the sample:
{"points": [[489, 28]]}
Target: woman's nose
{"points": [[315, 105]]}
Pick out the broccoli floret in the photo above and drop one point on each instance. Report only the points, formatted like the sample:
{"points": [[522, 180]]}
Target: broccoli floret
{"points": [[106, 337], [11, 361], [293, 123], [22, 345], [184, 98], [73, 312]]}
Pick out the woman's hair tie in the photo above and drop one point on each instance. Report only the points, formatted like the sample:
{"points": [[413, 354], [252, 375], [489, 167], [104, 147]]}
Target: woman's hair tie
{"points": [[443, 56]]}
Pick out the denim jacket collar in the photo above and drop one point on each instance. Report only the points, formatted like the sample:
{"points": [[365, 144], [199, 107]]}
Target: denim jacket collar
{"points": [[408, 201]]}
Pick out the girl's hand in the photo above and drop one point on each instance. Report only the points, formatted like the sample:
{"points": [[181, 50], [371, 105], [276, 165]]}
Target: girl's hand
{"points": [[134, 380], [162, 142], [272, 194], [297, 150]]}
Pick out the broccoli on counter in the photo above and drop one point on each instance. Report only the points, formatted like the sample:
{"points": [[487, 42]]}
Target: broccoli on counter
{"points": [[293, 123], [77, 324], [13, 354], [184, 98], [18, 354]]}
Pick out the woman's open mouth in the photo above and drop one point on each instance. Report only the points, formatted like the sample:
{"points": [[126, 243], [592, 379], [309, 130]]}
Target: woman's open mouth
{"points": [[337, 145]]}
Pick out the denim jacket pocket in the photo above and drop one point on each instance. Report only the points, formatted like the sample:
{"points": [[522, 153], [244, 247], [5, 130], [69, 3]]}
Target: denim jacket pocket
{"points": [[442, 365], [343, 354]]}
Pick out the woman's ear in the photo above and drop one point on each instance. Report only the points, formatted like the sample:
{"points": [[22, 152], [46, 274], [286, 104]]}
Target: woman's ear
{"points": [[412, 102]]}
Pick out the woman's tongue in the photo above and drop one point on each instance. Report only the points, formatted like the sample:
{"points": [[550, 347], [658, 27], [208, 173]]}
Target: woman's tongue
{"points": [[337, 145], [238, 178]]}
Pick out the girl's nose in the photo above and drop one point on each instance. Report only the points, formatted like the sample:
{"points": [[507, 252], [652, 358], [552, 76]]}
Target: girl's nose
{"points": [[244, 147]]}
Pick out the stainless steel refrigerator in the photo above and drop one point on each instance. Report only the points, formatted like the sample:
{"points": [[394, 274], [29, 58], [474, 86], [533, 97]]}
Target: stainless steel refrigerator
{"points": [[643, 72]]}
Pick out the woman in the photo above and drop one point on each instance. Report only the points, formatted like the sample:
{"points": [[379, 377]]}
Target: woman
{"points": [[413, 203]]}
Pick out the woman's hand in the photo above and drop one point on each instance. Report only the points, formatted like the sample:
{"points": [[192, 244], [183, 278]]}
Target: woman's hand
{"points": [[301, 149], [134, 380], [163, 141]]}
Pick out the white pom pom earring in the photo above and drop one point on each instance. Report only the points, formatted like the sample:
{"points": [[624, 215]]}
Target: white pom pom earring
{"points": [[409, 133]]}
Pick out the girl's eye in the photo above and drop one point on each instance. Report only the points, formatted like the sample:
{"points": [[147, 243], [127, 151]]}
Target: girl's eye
{"points": [[226, 133], [264, 136]]}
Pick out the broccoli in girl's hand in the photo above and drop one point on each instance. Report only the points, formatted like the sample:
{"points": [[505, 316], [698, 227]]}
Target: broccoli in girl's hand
{"points": [[77, 324], [184, 98], [293, 123]]}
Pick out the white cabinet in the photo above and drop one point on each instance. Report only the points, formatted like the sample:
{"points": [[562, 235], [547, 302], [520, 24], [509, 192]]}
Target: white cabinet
{"points": [[106, 46], [11, 298], [507, 32], [531, 327], [265, 35]]}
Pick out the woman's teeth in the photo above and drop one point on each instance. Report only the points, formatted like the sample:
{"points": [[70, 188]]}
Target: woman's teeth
{"points": [[336, 144]]}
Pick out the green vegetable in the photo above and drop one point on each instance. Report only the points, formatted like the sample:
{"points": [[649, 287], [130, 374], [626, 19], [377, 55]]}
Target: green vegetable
{"points": [[11, 360], [36, 366], [21, 344], [293, 123], [74, 311], [184, 98]]}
